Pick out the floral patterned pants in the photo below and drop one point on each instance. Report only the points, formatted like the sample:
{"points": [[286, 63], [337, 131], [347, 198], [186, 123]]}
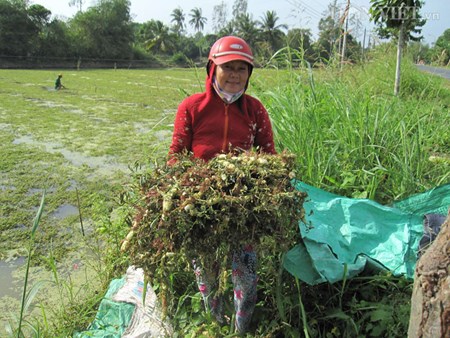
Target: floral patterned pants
{"points": [[244, 280]]}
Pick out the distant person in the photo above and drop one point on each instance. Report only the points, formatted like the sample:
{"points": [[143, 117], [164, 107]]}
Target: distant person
{"points": [[58, 83]]}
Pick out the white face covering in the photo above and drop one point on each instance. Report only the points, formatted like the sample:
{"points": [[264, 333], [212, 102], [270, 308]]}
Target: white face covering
{"points": [[224, 95]]}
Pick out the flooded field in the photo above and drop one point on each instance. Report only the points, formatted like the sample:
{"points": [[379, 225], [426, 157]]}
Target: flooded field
{"points": [[10, 286], [77, 145]]}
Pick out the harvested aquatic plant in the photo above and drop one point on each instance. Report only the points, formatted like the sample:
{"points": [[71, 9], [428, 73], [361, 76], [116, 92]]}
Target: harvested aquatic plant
{"points": [[205, 210]]}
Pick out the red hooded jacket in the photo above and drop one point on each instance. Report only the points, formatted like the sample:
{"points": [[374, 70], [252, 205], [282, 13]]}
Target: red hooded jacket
{"points": [[206, 125]]}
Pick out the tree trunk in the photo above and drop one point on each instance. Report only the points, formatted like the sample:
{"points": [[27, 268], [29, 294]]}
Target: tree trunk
{"points": [[344, 43], [399, 60], [430, 302]]}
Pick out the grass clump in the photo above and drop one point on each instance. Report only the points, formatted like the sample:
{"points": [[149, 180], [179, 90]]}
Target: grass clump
{"points": [[352, 137]]}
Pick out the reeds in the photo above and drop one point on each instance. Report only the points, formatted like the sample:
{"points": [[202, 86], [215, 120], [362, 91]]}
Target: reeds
{"points": [[28, 297], [353, 138]]}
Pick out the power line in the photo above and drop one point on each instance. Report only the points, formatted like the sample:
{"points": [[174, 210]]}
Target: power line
{"points": [[302, 7], [311, 9]]}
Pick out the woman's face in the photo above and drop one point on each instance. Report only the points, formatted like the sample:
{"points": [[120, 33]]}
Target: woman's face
{"points": [[232, 76]]}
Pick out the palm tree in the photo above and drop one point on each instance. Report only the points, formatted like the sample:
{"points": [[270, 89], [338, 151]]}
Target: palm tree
{"points": [[197, 20], [158, 35], [178, 18], [247, 29], [270, 31], [229, 29]]}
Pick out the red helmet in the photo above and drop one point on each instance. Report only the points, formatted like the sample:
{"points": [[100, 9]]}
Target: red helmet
{"points": [[230, 48]]}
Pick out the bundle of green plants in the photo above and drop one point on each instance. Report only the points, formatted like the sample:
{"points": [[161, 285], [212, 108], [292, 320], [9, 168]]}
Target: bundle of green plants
{"points": [[206, 210]]}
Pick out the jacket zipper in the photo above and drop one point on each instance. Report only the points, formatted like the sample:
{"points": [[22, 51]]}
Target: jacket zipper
{"points": [[225, 130]]}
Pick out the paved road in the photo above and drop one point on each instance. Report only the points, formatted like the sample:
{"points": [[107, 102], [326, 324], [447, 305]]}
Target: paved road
{"points": [[434, 70]]}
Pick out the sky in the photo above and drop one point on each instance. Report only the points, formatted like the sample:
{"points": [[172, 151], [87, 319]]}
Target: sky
{"points": [[294, 13]]}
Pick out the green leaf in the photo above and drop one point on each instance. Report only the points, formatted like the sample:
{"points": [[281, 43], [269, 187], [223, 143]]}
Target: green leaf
{"points": [[196, 303], [380, 315], [37, 218], [337, 313], [144, 290], [34, 290]]}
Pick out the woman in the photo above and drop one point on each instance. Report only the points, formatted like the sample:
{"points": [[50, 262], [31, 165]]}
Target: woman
{"points": [[225, 119]]}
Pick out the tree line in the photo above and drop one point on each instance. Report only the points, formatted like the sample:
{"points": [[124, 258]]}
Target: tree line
{"points": [[106, 31]]}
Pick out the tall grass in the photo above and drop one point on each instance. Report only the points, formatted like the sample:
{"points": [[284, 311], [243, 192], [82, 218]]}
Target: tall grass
{"points": [[353, 137], [16, 329], [76, 306]]}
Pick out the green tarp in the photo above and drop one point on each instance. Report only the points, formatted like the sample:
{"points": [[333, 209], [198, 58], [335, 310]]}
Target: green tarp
{"points": [[123, 313], [343, 236], [434, 201], [112, 317]]}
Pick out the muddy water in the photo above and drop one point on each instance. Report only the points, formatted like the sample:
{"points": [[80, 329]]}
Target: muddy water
{"points": [[77, 274], [64, 211], [104, 164], [9, 286], [78, 271]]}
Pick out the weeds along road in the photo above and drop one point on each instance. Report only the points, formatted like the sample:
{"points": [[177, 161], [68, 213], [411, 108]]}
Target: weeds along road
{"points": [[436, 71]]}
